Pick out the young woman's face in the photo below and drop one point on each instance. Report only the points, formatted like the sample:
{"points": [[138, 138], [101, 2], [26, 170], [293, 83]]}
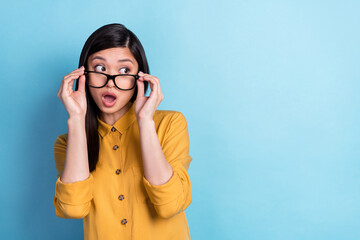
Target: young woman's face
{"points": [[112, 61]]}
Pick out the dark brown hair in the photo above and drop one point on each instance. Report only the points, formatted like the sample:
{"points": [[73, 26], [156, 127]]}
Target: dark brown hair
{"points": [[107, 36]]}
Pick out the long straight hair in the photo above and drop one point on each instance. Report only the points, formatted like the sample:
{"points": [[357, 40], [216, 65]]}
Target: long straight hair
{"points": [[107, 36]]}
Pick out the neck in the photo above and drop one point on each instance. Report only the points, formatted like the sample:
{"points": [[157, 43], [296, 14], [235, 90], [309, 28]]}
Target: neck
{"points": [[111, 118]]}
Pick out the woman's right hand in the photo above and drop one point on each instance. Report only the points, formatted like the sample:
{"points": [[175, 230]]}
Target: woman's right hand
{"points": [[74, 101]]}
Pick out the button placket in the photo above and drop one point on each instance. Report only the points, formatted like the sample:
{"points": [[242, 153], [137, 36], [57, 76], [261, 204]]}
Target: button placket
{"points": [[121, 197]]}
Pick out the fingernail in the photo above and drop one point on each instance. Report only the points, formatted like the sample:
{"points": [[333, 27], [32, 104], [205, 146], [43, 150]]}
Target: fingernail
{"points": [[141, 73]]}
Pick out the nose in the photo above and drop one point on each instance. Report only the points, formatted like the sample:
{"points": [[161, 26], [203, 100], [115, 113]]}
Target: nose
{"points": [[111, 83]]}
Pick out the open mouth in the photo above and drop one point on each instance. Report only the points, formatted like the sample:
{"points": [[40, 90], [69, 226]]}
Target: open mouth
{"points": [[109, 99]]}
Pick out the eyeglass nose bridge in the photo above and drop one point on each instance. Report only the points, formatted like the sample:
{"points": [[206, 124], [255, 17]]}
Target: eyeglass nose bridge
{"points": [[110, 77]]}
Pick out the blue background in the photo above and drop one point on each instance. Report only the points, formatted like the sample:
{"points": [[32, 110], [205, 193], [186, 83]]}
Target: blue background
{"points": [[270, 90]]}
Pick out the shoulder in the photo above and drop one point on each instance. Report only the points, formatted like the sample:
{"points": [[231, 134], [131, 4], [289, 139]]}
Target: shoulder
{"points": [[169, 123], [166, 117], [61, 140]]}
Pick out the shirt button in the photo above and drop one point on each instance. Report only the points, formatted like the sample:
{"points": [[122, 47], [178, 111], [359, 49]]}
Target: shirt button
{"points": [[124, 221], [121, 197], [118, 171], [113, 129], [115, 147]]}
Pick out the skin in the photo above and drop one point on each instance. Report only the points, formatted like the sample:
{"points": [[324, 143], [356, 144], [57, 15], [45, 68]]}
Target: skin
{"points": [[156, 168]]}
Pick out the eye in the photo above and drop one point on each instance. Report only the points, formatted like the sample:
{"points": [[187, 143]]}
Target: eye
{"points": [[124, 70], [99, 68]]}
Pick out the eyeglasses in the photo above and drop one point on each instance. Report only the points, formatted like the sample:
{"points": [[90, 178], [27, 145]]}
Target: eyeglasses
{"points": [[124, 82]]}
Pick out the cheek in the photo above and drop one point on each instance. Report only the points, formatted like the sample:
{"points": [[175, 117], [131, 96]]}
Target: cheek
{"points": [[126, 94], [131, 93], [94, 94]]}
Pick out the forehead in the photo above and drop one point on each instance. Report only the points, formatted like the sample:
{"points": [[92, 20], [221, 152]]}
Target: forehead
{"points": [[113, 56]]}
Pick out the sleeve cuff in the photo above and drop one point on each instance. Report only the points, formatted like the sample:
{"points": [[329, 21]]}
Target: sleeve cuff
{"points": [[165, 193], [74, 193]]}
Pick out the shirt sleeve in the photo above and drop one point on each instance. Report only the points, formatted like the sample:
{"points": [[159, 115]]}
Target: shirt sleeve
{"points": [[71, 200], [173, 196]]}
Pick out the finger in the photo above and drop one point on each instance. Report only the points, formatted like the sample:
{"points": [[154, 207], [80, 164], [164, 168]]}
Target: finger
{"points": [[70, 80], [140, 93], [154, 97], [148, 76], [82, 84], [60, 89], [142, 80], [64, 83], [78, 70], [82, 68], [69, 87], [160, 95], [153, 85], [158, 88], [73, 74], [160, 91], [69, 83]]}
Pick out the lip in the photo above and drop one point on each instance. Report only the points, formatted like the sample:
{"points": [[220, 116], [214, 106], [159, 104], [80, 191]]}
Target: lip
{"points": [[107, 104], [109, 93]]}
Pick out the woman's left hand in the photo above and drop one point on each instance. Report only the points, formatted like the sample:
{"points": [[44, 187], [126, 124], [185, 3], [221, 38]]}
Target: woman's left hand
{"points": [[145, 106]]}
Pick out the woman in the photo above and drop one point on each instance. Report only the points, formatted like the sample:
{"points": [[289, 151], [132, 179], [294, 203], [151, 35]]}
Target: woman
{"points": [[122, 166]]}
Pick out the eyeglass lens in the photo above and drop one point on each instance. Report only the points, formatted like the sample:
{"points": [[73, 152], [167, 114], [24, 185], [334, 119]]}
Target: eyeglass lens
{"points": [[99, 80]]}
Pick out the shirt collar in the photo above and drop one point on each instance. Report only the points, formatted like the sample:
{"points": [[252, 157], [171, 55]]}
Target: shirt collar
{"points": [[120, 125]]}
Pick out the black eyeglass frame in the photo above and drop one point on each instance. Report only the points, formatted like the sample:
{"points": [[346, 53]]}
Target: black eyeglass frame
{"points": [[113, 78]]}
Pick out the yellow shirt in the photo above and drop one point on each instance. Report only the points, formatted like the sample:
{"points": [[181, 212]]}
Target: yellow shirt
{"points": [[116, 201]]}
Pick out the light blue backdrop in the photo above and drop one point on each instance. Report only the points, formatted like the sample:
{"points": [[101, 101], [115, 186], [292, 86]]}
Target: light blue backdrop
{"points": [[270, 90]]}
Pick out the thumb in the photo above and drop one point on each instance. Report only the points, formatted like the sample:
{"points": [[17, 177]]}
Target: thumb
{"points": [[82, 83]]}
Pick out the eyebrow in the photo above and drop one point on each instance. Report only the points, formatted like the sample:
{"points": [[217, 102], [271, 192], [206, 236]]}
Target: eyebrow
{"points": [[120, 60]]}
